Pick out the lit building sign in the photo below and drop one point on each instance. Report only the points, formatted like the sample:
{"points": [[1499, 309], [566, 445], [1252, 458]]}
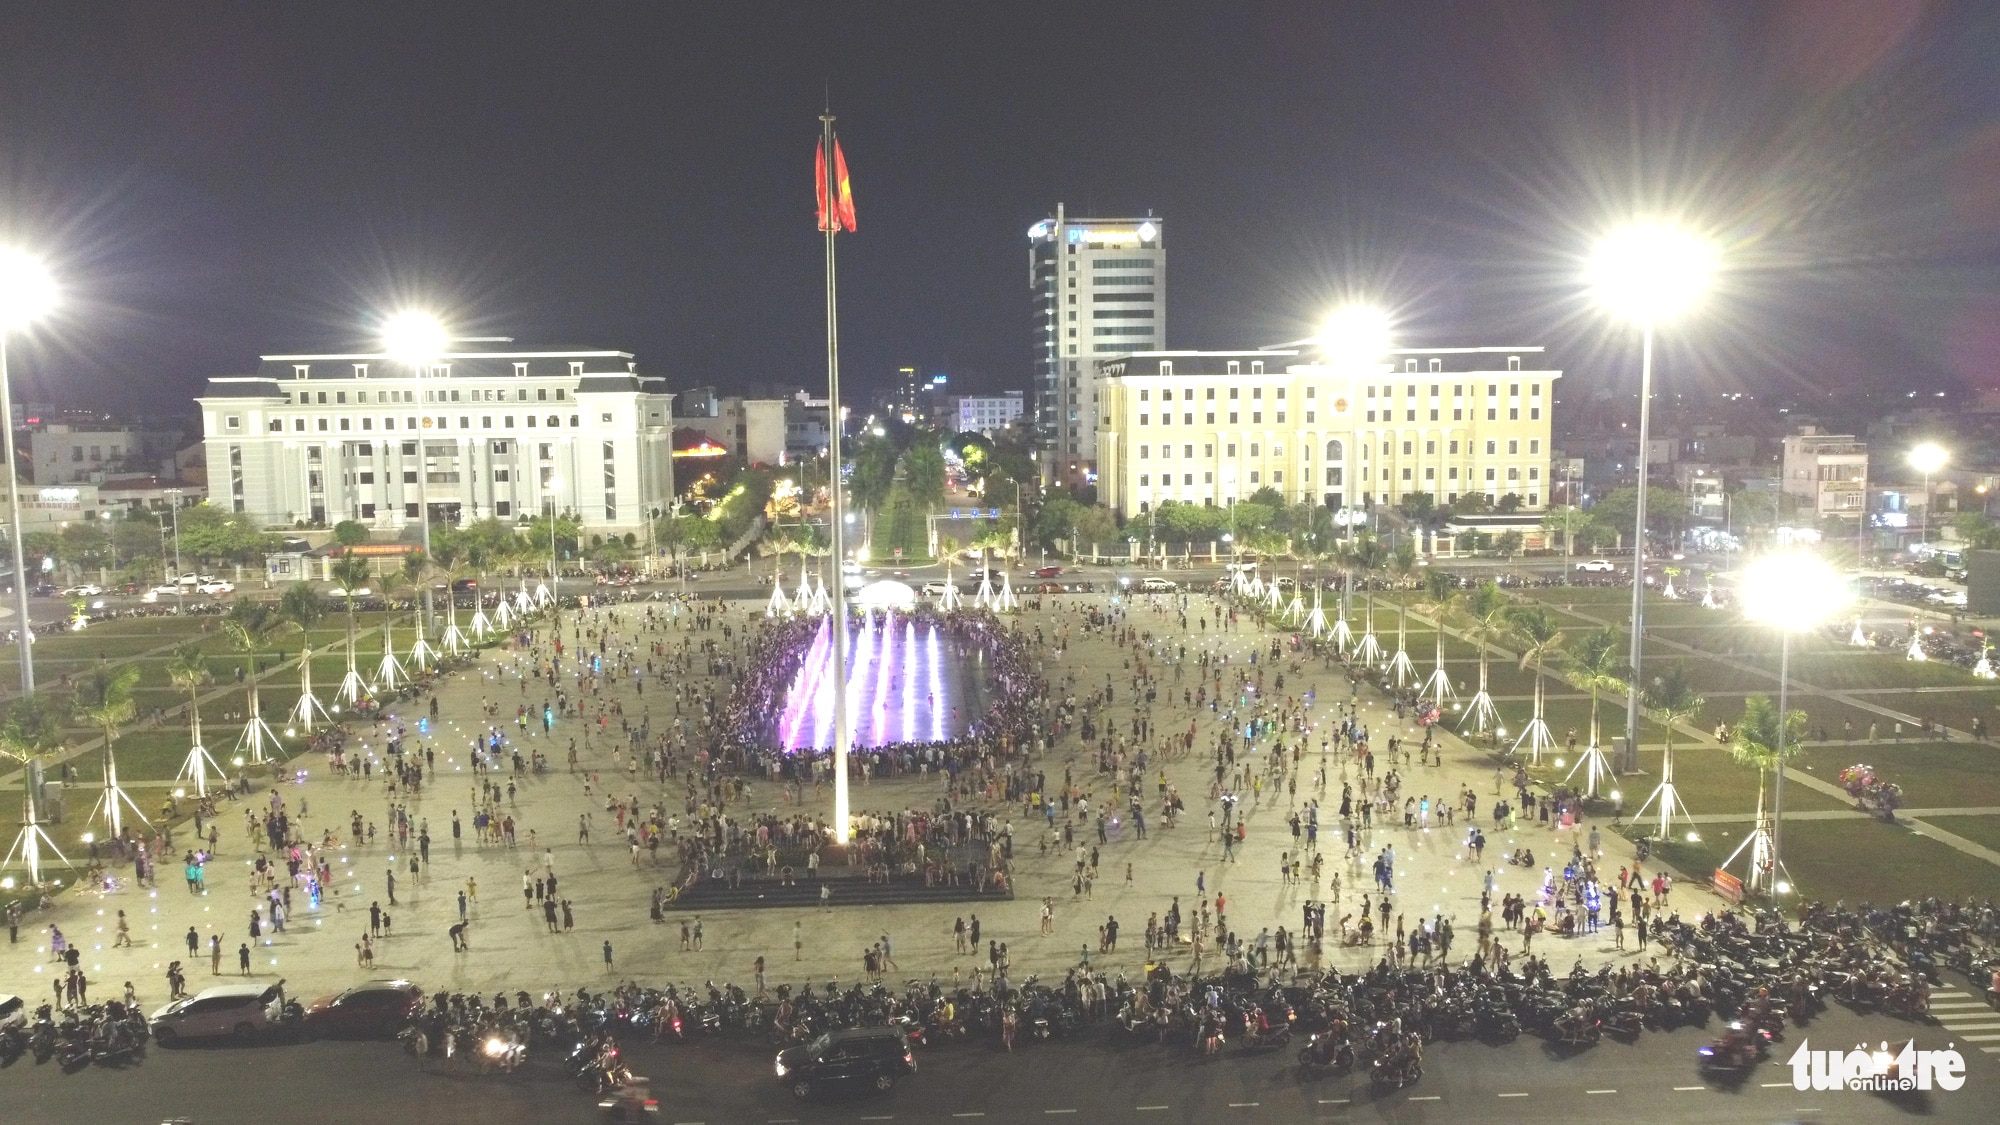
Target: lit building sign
{"points": [[705, 449], [61, 495]]}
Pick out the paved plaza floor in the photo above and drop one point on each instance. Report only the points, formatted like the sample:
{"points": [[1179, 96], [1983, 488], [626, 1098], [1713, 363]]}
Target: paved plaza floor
{"points": [[511, 948]]}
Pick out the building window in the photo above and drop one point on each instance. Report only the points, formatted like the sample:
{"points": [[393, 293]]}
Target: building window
{"points": [[1142, 453], [1513, 414], [232, 421], [1534, 445], [1492, 447], [1253, 476], [1144, 480]]}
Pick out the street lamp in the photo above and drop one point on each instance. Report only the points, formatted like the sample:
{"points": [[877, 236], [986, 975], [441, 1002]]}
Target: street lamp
{"points": [[1647, 272], [1793, 592], [27, 292], [174, 514], [418, 338], [555, 487], [1927, 458]]}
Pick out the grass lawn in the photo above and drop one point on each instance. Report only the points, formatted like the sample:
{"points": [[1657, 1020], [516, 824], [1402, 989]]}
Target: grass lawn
{"points": [[1852, 860], [1979, 829], [1933, 775]]}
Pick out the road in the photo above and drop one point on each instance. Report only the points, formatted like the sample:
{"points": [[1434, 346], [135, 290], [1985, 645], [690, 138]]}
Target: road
{"points": [[1092, 1080]]}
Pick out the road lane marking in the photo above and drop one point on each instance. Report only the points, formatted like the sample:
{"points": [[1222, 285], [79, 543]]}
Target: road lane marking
{"points": [[1775, 1085], [1600, 1091], [1427, 1098], [1148, 1108], [1683, 1089], [1335, 1101], [1510, 1095], [1979, 1038], [1244, 1105], [1058, 1111], [968, 1115], [879, 1117]]}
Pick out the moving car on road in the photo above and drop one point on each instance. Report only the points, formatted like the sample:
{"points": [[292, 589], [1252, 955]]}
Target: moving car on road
{"points": [[87, 590], [216, 587], [1159, 586], [1048, 572], [1596, 566]]}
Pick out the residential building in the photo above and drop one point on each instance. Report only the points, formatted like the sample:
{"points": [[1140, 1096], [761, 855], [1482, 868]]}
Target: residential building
{"points": [[806, 431], [1827, 473], [981, 414], [1099, 289], [66, 453], [505, 434], [1214, 427], [751, 428]]}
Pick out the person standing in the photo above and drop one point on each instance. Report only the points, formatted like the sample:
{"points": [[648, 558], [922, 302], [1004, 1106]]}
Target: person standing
{"points": [[798, 941], [392, 886], [243, 958], [215, 955], [607, 955]]}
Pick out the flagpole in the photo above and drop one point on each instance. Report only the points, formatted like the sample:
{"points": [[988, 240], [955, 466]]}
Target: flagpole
{"points": [[829, 226]]}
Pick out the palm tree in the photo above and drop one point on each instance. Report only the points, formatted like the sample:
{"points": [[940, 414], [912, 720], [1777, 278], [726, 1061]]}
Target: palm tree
{"points": [[303, 608], [351, 572], [105, 701], [188, 669], [1756, 742], [1672, 698], [250, 626], [1541, 640], [1596, 661], [1441, 600], [1485, 612], [32, 728]]}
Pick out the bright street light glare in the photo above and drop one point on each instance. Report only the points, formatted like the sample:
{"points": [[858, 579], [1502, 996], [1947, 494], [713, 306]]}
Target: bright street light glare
{"points": [[27, 292], [1928, 457], [1793, 590], [414, 337], [1650, 272], [1355, 334]]}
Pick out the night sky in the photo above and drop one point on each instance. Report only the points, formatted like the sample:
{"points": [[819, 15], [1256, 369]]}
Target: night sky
{"points": [[215, 181]]}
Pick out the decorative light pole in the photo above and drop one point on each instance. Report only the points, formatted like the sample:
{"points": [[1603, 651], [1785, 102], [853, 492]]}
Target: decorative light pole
{"points": [[1647, 272], [1793, 592], [418, 339]]}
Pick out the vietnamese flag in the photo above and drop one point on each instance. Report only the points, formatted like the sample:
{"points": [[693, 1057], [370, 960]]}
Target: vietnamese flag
{"points": [[845, 202], [835, 198]]}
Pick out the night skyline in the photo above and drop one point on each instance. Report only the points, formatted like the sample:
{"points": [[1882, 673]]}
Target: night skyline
{"points": [[255, 180]]}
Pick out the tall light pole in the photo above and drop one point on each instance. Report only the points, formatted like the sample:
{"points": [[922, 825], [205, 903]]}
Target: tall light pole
{"points": [[1647, 272], [418, 339], [26, 293], [1927, 458], [555, 485], [1356, 337], [174, 516], [1793, 592]]}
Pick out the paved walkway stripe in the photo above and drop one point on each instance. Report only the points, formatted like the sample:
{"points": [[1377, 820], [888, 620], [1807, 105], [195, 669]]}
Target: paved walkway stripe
{"points": [[1980, 1038], [1991, 1050], [1984, 1025]]}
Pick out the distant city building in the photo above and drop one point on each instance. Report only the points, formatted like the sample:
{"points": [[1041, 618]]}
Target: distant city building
{"points": [[325, 438], [1099, 288], [981, 414], [65, 453], [1213, 427], [1828, 473], [751, 428], [806, 431]]}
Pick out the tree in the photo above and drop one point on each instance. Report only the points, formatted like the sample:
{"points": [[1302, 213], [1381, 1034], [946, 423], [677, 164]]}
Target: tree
{"points": [[1671, 698], [251, 626], [208, 532], [32, 728], [923, 475], [350, 533], [873, 471], [1565, 520], [1095, 524], [1419, 508], [1267, 497], [301, 605], [104, 699], [1755, 742], [351, 572], [188, 671], [1666, 510], [1541, 640], [1508, 543], [1597, 663]]}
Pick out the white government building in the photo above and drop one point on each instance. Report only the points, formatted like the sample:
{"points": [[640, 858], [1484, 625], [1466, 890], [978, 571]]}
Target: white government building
{"points": [[507, 435]]}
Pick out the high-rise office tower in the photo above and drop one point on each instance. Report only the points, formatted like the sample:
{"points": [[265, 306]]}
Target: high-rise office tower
{"points": [[1100, 289]]}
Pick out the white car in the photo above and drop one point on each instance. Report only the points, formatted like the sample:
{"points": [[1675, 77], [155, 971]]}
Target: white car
{"points": [[216, 586], [1596, 566], [241, 1010], [87, 590], [167, 589], [1159, 586], [935, 589], [13, 1012], [341, 592]]}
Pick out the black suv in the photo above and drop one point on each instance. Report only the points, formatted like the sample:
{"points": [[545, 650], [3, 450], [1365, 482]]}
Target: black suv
{"points": [[872, 1056]]}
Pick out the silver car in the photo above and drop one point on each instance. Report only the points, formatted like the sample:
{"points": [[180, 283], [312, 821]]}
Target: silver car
{"points": [[241, 1010]]}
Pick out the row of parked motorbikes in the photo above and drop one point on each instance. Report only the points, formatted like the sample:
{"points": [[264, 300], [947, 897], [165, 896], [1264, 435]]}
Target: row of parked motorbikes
{"points": [[1758, 972], [110, 1034]]}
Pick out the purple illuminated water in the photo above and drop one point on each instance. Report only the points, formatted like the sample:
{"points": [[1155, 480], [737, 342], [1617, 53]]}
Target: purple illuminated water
{"points": [[904, 684]]}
